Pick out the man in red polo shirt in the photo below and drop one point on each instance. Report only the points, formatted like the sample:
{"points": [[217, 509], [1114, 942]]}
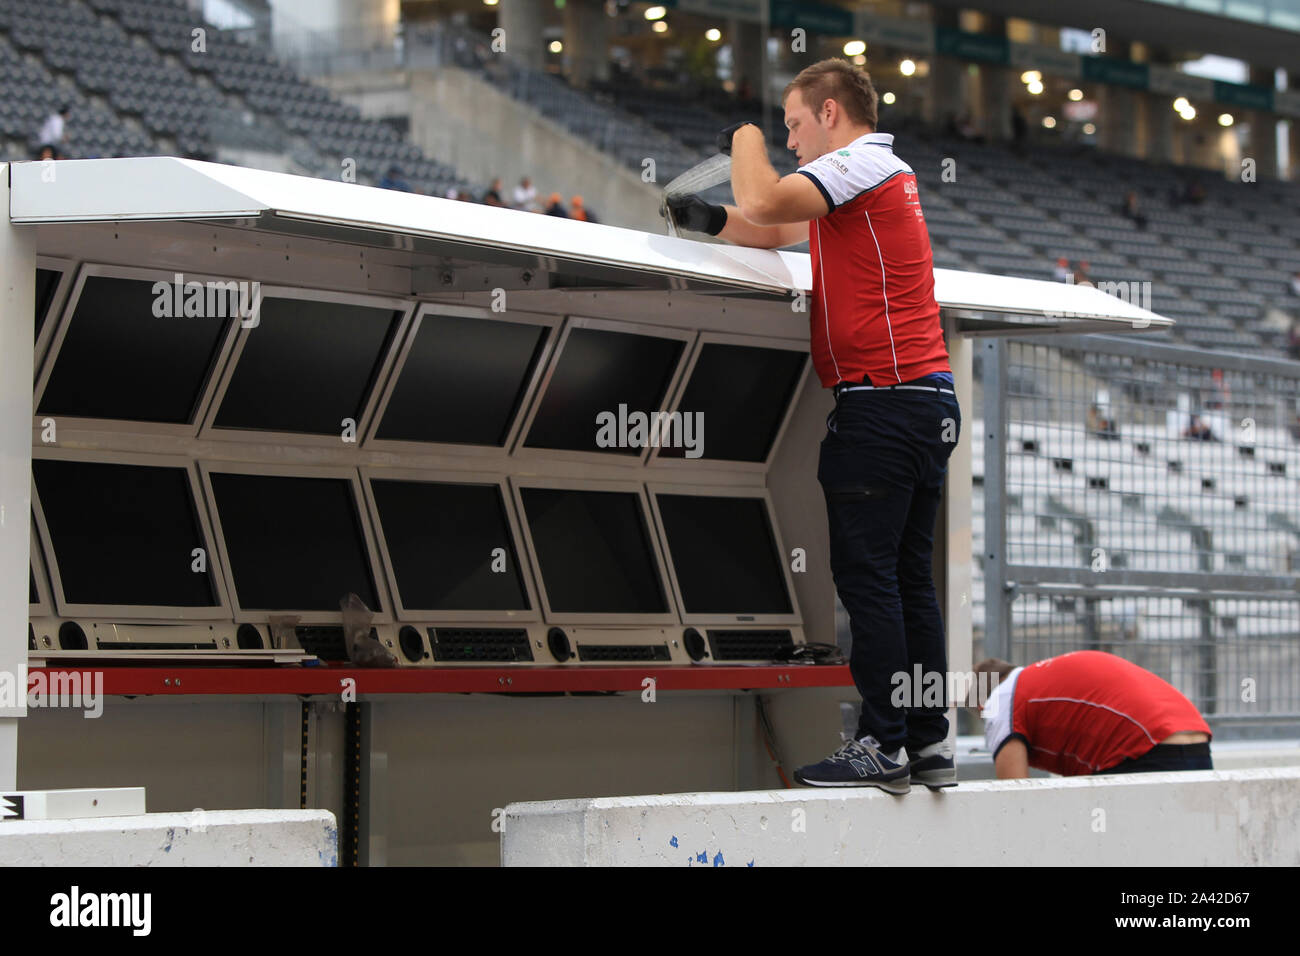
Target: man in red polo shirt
{"points": [[876, 341], [1088, 712]]}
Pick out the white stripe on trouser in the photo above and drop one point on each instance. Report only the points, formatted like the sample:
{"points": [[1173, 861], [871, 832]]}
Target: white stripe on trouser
{"points": [[892, 388]]}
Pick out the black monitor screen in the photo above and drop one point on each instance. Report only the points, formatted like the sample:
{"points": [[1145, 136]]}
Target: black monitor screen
{"points": [[593, 550], [463, 381], [121, 360], [724, 554], [295, 544], [47, 281], [125, 534], [597, 372], [306, 366], [742, 393], [450, 546]]}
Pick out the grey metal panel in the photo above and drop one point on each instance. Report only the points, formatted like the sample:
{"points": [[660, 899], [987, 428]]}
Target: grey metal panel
{"points": [[1196, 583], [164, 188], [997, 619], [1160, 352]]}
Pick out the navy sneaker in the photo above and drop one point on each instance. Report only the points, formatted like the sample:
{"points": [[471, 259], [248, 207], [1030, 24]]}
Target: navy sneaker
{"points": [[933, 766], [858, 763]]}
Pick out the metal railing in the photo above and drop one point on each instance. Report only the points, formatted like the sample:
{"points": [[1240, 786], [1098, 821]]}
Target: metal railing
{"points": [[1144, 499]]}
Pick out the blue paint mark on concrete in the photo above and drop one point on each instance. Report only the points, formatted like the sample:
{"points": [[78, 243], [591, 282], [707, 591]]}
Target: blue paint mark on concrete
{"points": [[718, 861], [750, 863], [171, 836], [332, 835], [702, 857], [673, 843]]}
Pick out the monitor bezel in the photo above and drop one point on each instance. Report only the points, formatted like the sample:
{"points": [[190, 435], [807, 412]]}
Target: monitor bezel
{"points": [[68, 270], [531, 387], [668, 617], [442, 476], [55, 346], [731, 338], [209, 430], [793, 619], [241, 615], [44, 606], [131, 613], [523, 452]]}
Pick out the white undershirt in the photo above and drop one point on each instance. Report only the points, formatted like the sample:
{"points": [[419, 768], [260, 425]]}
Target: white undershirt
{"points": [[997, 712]]}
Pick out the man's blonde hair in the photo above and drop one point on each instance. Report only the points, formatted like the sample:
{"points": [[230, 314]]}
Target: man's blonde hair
{"points": [[994, 666], [839, 80]]}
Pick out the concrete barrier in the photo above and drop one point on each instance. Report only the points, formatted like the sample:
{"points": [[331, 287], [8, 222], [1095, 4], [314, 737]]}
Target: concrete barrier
{"points": [[1197, 818], [976, 763], [196, 838]]}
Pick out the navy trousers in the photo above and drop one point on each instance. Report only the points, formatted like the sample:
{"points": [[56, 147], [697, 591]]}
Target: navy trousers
{"points": [[1166, 757], [882, 467]]}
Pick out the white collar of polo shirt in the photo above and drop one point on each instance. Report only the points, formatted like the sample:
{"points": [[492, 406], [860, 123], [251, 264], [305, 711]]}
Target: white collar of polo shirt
{"points": [[877, 139]]}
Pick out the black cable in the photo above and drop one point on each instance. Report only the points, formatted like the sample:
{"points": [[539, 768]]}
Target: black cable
{"points": [[811, 653]]}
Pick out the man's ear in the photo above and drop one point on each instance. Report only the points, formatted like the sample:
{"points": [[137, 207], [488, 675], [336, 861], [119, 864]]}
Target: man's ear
{"points": [[973, 693]]}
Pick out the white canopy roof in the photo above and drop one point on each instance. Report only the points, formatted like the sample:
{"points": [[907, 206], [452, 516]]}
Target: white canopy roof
{"points": [[168, 188]]}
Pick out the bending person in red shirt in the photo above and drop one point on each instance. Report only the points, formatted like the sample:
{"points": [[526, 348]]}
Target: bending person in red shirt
{"points": [[1089, 712], [876, 342]]}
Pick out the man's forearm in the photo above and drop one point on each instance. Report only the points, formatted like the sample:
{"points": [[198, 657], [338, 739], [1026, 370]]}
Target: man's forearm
{"points": [[752, 175], [745, 233]]}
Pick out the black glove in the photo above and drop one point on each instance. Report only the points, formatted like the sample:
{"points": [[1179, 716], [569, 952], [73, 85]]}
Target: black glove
{"points": [[724, 138], [693, 213]]}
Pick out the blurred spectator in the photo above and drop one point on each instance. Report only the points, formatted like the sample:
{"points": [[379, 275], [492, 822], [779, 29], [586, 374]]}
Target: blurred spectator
{"points": [[1130, 209], [1192, 193], [1062, 270], [1295, 283], [554, 207], [968, 131], [1222, 393], [580, 212], [493, 196], [964, 128], [1198, 429], [393, 180], [1099, 425], [1019, 128], [1081, 276], [525, 194], [47, 152], [54, 133]]}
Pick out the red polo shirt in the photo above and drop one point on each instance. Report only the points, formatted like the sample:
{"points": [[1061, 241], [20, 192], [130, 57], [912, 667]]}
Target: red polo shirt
{"points": [[1088, 711], [874, 315]]}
